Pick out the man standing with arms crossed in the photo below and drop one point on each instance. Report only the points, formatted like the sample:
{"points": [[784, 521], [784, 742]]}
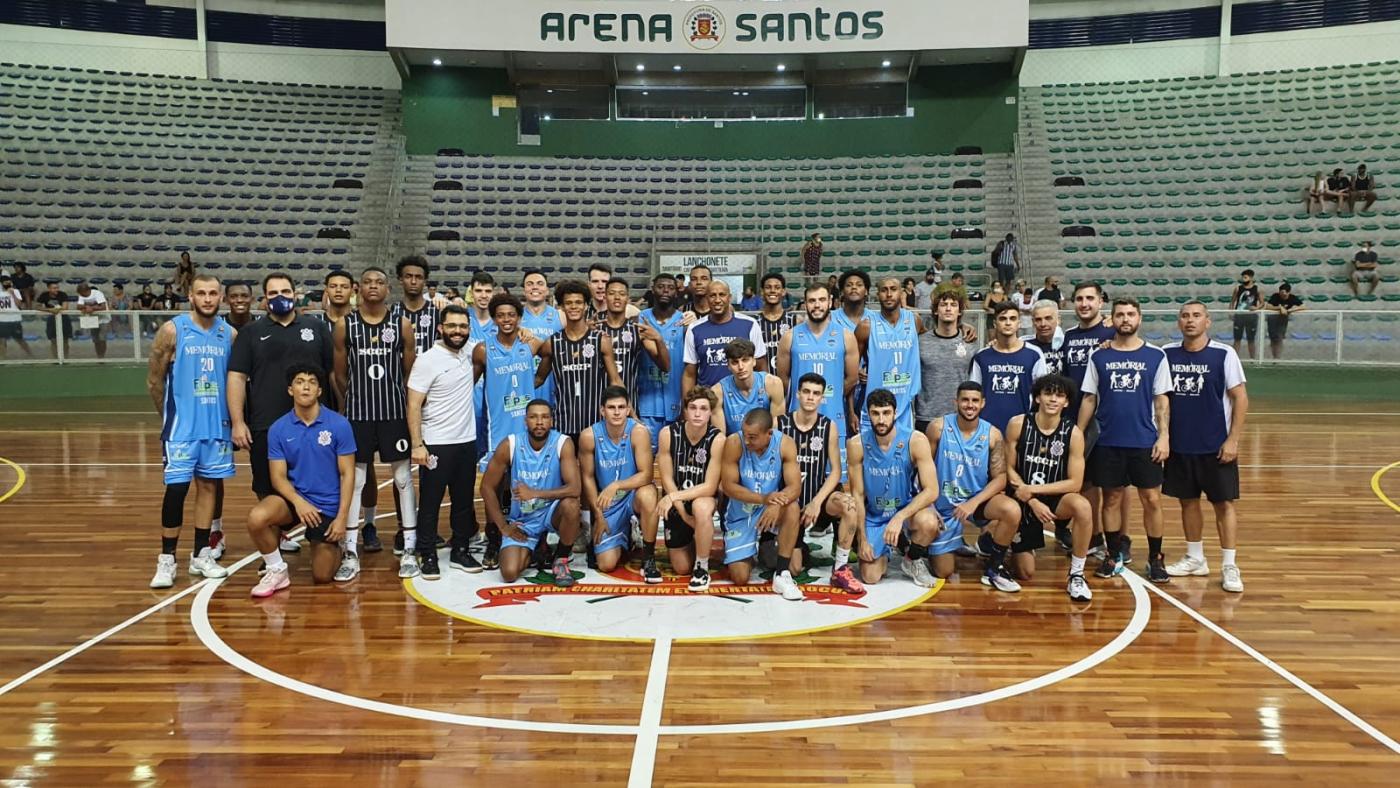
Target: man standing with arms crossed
{"points": [[1125, 391], [186, 377], [1209, 404]]}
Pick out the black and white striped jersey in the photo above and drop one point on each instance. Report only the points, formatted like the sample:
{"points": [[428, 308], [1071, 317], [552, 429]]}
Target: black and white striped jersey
{"points": [[812, 454], [424, 322], [374, 357], [627, 352], [579, 380], [690, 460]]}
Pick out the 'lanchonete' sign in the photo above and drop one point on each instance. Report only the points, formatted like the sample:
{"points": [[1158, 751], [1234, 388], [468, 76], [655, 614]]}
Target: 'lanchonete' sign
{"points": [[720, 263], [718, 26]]}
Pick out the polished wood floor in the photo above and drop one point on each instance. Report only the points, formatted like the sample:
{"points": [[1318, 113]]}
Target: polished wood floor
{"points": [[1179, 705]]}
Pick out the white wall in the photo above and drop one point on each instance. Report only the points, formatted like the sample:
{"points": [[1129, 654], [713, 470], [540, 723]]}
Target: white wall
{"points": [[327, 9], [179, 57], [1326, 46]]}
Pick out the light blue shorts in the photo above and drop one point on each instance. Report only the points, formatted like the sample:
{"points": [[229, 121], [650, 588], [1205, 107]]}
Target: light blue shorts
{"points": [[535, 525], [208, 459], [619, 517]]}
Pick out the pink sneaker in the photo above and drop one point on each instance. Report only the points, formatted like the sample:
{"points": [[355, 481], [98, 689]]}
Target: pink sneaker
{"points": [[845, 579], [271, 582]]}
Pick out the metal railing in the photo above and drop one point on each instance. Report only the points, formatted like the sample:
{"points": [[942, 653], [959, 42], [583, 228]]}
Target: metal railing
{"points": [[1330, 337]]}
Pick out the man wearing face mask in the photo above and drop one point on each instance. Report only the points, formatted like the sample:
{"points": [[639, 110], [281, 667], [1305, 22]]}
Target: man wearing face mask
{"points": [[257, 372]]}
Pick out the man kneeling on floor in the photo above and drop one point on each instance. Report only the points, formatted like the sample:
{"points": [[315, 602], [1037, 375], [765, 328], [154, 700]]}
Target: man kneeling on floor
{"points": [[311, 460]]}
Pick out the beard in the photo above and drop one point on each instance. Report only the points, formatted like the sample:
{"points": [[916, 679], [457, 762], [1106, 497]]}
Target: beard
{"points": [[454, 342]]}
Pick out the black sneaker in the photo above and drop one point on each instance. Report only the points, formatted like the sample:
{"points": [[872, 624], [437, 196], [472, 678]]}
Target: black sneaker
{"points": [[492, 558], [1157, 570], [371, 540], [649, 571], [428, 565], [1125, 550], [1108, 568], [1064, 538], [462, 558], [398, 542], [544, 556]]}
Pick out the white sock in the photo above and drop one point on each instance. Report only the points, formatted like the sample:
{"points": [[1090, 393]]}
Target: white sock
{"points": [[703, 563], [1196, 550], [274, 561], [1227, 557], [350, 544], [1076, 565], [216, 525], [371, 514], [842, 555]]}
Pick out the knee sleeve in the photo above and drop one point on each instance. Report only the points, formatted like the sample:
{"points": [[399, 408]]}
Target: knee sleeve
{"points": [[403, 481], [172, 509], [361, 472]]}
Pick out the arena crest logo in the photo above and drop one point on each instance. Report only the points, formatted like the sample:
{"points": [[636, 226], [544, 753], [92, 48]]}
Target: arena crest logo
{"points": [[620, 606]]}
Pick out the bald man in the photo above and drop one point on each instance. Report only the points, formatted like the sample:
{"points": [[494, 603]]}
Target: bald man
{"points": [[706, 339]]}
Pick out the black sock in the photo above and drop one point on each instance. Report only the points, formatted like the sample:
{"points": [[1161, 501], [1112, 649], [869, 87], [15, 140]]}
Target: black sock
{"points": [[1115, 544], [563, 549], [917, 551], [201, 539], [649, 549], [1154, 547], [168, 543], [996, 555]]}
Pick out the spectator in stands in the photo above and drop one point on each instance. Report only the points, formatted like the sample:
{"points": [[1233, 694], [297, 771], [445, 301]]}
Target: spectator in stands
{"points": [[831, 284], [169, 301], [751, 302], [955, 285], [1244, 302], [994, 296], [454, 296], [1363, 187], [1022, 297], [438, 300], [120, 302], [1279, 308], [11, 319], [93, 317], [183, 278], [54, 301], [24, 283], [1317, 193], [147, 301], [923, 291], [239, 297], [1050, 292], [1365, 267], [812, 258], [1338, 188], [910, 297], [1006, 258]]}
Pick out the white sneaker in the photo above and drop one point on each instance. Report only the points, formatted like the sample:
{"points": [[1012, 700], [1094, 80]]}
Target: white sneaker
{"points": [[349, 568], [216, 544], [1188, 566], [785, 585], [408, 565], [165, 572], [917, 571], [204, 565], [1001, 581], [289, 546], [1077, 589], [272, 581], [1230, 578]]}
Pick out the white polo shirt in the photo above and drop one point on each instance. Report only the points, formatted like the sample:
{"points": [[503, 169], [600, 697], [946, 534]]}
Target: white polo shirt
{"points": [[446, 378]]}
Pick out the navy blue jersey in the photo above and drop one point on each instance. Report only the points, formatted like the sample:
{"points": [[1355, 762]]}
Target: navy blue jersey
{"points": [[1125, 381], [1201, 410]]}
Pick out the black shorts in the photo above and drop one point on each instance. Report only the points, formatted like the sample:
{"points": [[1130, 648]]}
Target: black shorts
{"points": [[12, 330], [679, 533], [313, 533], [388, 437], [1277, 326], [1193, 475], [1112, 467], [51, 332], [1246, 326], [257, 462], [1031, 535], [1091, 438]]}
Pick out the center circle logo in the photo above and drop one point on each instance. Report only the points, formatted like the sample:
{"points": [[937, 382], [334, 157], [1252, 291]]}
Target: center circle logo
{"points": [[704, 27], [620, 606]]}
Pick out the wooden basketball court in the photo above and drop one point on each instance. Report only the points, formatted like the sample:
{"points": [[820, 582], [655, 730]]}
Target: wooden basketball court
{"points": [[1295, 681]]}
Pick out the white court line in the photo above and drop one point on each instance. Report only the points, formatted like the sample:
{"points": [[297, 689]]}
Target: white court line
{"points": [[644, 751], [1283, 672], [90, 642]]}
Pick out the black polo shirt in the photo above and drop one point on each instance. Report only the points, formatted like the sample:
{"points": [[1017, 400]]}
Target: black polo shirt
{"points": [[263, 351]]}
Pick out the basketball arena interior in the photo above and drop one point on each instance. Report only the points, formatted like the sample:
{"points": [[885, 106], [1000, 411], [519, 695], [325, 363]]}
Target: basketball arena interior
{"points": [[1158, 148]]}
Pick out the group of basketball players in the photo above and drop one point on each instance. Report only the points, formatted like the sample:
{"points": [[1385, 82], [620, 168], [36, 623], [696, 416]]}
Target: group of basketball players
{"points": [[763, 427]]}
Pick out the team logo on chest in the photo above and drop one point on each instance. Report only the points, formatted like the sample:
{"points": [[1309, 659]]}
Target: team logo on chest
{"points": [[388, 335], [588, 351], [1057, 448], [307, 335], [425, 320], [324, 438], [816, 443]]}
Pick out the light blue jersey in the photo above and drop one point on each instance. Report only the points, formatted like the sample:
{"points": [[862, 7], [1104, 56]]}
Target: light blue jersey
{"points": [[659, 393], [613, 461], [760, 473], [543, 325], [538, 470], [961, 463], [196, 404], [889, 483], [824, 354], [507, 387], [893, 353], [737, 404]]}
